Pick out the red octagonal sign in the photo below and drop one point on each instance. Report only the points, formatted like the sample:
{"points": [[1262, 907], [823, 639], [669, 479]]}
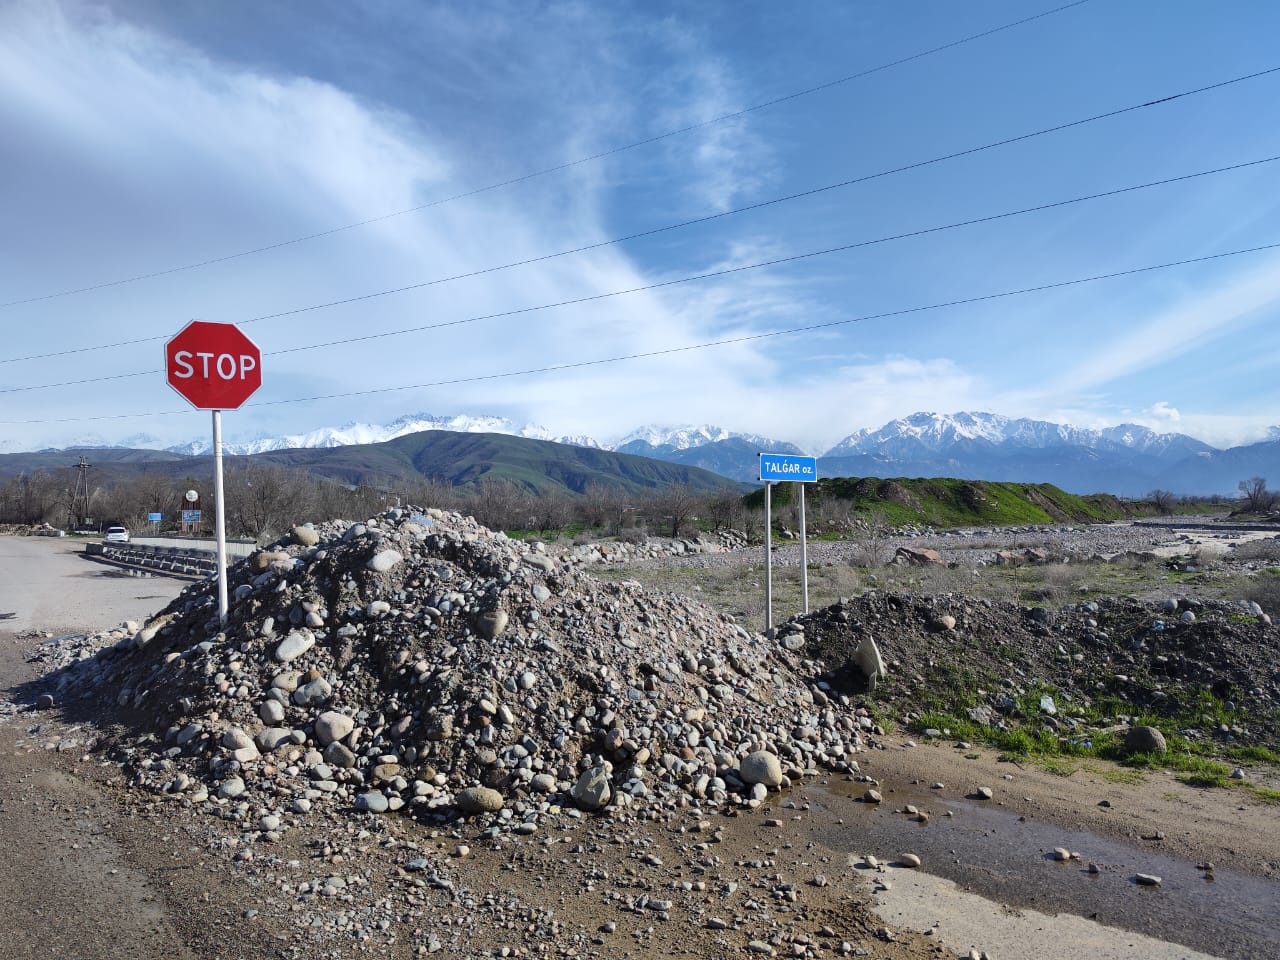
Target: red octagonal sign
{"points": [[213, 365]]}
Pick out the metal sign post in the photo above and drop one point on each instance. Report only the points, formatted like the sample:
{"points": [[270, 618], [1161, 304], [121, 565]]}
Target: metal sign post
{"points": [[215, 367], [802, 470], [804, 554], [768, 558], [219, 513]]}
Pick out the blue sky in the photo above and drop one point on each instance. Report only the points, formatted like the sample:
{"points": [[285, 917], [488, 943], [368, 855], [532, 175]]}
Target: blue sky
{"points": [[145, 136]]}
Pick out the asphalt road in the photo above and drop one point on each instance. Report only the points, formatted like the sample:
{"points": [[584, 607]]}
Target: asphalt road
{"points": [[76, 876], [48, 584]]}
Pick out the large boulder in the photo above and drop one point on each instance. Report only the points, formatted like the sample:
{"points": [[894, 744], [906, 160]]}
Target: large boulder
{"points": [[761, 767], [593, 791], [866, 657], [914, 557], [1145, 740]]}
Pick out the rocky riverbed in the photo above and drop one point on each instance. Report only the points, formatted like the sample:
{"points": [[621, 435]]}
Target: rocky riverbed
{"points": [[416, 736]]}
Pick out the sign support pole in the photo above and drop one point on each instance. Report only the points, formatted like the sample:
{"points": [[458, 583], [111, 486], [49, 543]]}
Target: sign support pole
{"points": [[804, 552], [768, 557], [219, 523]]}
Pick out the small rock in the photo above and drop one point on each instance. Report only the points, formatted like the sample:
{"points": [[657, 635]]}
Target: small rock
{"points": [[294, 645], [385, 560], [372, 802], [908, 860], [592, 789], [761, 767], [475, 800], [332, 726]]}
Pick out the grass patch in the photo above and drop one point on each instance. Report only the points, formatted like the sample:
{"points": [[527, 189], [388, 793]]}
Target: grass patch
{"points": [[1113, 774], [958, 728]]}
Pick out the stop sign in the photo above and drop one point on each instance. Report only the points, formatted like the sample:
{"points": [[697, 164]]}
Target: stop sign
{"points": [[213, 365]]}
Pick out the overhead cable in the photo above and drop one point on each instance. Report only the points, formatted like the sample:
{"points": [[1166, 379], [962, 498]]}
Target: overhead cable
{"points": [[674, 226], [553, 169], [728, 341], [923, 231]]}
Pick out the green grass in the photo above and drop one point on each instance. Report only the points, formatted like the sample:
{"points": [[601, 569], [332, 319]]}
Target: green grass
{"points": [[945, 502]]}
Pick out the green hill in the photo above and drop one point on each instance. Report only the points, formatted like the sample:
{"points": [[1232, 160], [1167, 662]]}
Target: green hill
{"points": [[941, 502], [457, 459]]}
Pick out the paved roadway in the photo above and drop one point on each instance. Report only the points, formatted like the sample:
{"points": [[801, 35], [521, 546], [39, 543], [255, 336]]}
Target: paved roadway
{"points": [[48, 584]]}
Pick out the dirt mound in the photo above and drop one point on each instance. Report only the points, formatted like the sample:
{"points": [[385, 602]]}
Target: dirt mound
{"points": [[421, 661], [1203, 669]]}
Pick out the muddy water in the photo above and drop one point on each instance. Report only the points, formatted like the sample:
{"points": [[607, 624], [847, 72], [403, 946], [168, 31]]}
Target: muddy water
{"points": [[994, 853]]}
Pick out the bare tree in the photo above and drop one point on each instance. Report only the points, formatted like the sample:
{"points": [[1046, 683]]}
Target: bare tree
{"points": [[430, 492], [1164, 500], [263, 501], [499, 504], [604, 507], [1257, 498], [30, 497], [725, 510], [675, 505], [871, 538], [552, 509]]}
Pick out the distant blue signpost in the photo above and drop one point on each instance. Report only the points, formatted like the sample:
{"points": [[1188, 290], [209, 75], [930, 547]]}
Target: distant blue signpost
{"points": [[776, 467]]}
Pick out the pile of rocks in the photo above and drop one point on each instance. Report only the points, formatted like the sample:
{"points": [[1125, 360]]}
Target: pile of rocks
{"points": [[419, 661], [1004, 664], [656, 548]]}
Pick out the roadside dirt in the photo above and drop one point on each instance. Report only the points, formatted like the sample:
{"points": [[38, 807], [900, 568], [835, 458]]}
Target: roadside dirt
{"points": [[102, 870]]}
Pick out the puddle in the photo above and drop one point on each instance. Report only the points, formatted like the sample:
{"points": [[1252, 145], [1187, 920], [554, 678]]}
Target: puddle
{"points": [[987, 850]]}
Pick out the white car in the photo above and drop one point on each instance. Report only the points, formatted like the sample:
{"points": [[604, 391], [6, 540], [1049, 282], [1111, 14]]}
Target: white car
{"points": [[116, 535]]}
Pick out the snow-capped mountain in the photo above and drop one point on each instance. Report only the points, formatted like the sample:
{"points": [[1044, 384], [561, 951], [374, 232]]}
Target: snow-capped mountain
{"points": [[358, 433], [716, 449], [937, 433], [687, 437], [1128, 459]]}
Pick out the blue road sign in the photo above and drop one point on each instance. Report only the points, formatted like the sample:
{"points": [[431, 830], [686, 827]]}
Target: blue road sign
{"points": [[782, 466], [155, 517], [190, 516]]}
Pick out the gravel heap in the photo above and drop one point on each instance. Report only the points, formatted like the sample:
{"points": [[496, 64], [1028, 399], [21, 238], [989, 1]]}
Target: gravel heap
{"points": [[657, 548], [419, 661], [1138, 661]]}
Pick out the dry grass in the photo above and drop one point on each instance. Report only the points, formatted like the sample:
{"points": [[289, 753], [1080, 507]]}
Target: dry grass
{"points": [[1267, 551], [737, 587]]}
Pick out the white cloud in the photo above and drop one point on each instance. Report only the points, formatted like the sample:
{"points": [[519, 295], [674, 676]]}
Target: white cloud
{"points": [[1202, 317]]}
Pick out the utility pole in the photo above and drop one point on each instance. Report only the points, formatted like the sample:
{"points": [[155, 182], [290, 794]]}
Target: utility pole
{"points": [[82, 483]]}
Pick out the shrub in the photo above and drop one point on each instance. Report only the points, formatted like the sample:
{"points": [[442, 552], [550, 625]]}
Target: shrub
{"points": [[1265, 592], [1267, 550]]}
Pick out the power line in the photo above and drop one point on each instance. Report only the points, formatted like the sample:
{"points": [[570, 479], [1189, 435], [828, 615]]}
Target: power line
{"points": [[789, 259], [684, 223], [554, 169], [728, 341], [923, 231]]}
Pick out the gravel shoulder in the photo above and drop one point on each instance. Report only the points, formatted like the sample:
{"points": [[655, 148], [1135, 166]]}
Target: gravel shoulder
{"points": [[106, 870]]}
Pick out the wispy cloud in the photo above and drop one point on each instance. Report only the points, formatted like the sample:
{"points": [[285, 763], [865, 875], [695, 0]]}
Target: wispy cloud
{"points": [[1202, 317]]}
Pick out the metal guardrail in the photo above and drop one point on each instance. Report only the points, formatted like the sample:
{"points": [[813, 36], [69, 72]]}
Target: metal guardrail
{"points": [[174, 561]]}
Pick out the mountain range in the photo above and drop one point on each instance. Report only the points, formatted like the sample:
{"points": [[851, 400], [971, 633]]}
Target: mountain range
{"points": [[1128, 460]]}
